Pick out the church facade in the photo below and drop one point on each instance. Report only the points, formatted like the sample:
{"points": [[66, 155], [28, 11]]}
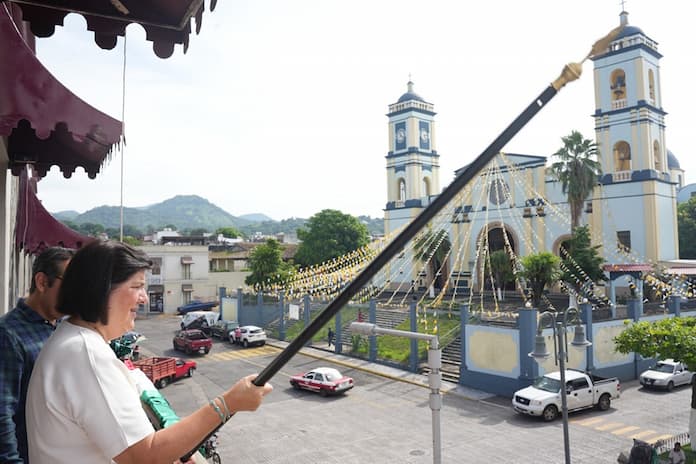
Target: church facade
{"points": [[519, 206]]}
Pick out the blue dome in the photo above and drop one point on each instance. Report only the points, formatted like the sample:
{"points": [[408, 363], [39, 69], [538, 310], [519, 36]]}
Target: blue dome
{"points": [[672, 161], [629, 30], [410, 95]]}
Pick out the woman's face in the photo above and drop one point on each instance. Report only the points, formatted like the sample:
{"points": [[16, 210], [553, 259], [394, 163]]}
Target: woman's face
{"points": [[123, 304]]}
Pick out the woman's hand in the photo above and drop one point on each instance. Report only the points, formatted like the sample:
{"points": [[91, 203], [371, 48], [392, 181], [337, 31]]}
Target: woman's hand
{"points": [[245, 396]]}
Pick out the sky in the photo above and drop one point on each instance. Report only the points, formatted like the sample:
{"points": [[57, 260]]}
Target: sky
{"points": [[279, 106]]}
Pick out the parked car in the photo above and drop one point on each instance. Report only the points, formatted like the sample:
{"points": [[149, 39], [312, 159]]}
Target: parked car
{"points": [[161, 370], [202, 320], [323, 380], [666, 374], [196, 305], [192, 341], [583, 391], [224, 330], [249, 335]]}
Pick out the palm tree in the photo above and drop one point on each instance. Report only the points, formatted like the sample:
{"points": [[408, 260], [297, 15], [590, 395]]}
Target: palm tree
{"points": [[578, 170], [540, 270]]}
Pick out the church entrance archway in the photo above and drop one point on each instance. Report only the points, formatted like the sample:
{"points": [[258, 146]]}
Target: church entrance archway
{"points": [[498, 238]]}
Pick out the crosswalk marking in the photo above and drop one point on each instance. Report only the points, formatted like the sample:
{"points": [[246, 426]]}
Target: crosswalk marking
{"points": [[621, 429], [625, 430], [240, 354], [587, 422], [660, 437], [643, 434], [610, 425]]}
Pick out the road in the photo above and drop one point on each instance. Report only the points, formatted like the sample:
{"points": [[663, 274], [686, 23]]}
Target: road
{"points": [[383, 420]]}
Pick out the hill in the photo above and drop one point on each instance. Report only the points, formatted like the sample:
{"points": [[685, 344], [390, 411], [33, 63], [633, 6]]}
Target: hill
{"points": [[182, 211], [188, 212]]}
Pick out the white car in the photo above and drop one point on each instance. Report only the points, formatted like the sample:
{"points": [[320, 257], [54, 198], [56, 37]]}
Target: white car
{"points": [[666, 374], [250, 335]]}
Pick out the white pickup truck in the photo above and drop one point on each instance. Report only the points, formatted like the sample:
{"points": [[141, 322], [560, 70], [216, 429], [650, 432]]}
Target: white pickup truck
{"points": [[583, 391]]}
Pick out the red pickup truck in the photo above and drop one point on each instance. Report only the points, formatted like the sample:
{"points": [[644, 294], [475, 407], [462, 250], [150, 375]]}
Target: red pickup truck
{"points": [[162, 370], [192, 341]]}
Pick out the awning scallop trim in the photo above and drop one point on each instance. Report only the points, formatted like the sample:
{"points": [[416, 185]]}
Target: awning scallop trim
{"points": [[46, 124], [166, 22], [36, 228]]}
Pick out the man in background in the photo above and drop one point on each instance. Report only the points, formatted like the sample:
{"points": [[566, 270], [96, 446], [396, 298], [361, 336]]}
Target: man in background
{"points": [[23, 332]]}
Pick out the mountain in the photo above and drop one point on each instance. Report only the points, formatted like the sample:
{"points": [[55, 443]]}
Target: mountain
{"points": [[68, 215], [257, 217], [182, 211], [187, 212]]}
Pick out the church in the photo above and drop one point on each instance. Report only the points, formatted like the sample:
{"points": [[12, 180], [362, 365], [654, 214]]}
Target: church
{"points": [[517, 204]]}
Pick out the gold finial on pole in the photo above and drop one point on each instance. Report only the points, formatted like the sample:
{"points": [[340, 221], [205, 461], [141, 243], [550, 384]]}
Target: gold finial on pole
{"points": [[572, 71]]}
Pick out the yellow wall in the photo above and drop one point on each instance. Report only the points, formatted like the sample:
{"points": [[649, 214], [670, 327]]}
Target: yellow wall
{"points": [[493, 350], [603, 341]]}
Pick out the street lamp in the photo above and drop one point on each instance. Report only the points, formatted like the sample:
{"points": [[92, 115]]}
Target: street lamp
{"points": [[559, 324], [434, 377]]}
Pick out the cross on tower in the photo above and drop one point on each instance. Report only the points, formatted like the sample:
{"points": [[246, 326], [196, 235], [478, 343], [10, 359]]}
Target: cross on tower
{"points": [[623, 5]]}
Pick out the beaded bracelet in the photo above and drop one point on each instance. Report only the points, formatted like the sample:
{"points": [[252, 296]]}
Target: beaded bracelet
{"points": [[214, 405], [228, 414]]}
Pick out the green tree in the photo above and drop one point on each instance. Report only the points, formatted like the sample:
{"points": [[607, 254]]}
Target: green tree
{"points": [[667, 338], [329, 234], [130, 240], [540, 270], [228, 232], [686, 220], [582, 264], [198, 231], [267, 266], [434, 248], [501, 270], [91, 229], [578, 170]]}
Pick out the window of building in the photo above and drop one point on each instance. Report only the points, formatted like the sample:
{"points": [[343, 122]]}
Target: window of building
{"points": [[618, 85], [657, 155], [622, 156], [186, 271], [156, 266], [426, 187], [651, 85], [402, 190], [624, 239]]}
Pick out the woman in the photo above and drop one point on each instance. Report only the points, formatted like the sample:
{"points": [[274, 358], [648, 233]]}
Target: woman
{"points": [[82, 404]]}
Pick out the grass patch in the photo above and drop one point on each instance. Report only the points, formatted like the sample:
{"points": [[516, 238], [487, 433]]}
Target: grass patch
{"points": [[398, 349], [690, 455], [348, 313]]}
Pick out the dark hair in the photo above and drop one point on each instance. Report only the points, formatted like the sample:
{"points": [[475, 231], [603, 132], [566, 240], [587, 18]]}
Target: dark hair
{"points": [[92, 273], [49, 262]]}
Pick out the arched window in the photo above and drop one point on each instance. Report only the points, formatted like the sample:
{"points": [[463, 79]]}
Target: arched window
{"points": [[651, 85], [622, 156], [402, 190], [618, 85], [426, 187], [657, 156]]}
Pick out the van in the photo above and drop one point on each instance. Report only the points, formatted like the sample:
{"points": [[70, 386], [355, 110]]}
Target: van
{"points": [[199, 320]]}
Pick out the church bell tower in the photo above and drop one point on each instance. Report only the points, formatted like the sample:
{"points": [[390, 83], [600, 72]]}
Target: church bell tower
{"points": [[637, 206]]}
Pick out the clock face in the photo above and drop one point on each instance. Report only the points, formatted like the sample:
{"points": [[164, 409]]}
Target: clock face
{"points": [[400, 135], [424, 135]]}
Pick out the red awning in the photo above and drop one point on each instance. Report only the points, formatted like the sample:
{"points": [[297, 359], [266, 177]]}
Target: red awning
{"points": [[628, 267], [46, 124], [36, 228], [166, 22]]}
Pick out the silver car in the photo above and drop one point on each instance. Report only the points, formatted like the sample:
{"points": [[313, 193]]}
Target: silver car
{"points": [[666, 374]]}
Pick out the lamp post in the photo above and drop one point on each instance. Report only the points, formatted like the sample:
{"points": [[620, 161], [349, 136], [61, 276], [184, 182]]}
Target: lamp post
{"points": [[434, 377], [559, 323]]}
